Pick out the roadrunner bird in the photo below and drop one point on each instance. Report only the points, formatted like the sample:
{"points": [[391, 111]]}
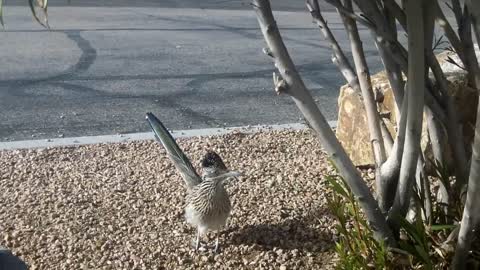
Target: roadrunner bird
{"points": [[208, 205]]}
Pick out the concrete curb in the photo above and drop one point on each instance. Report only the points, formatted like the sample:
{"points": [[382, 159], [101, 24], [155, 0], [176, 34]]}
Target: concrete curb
{"points": [[58, 142]]}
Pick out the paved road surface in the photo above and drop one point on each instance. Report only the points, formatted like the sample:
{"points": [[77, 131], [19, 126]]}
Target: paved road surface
{"points": [[195, 64]]}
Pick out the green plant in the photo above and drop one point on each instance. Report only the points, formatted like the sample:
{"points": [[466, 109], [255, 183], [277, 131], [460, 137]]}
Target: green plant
{"points": [[33, 4], [356, 246], [420, 246]]}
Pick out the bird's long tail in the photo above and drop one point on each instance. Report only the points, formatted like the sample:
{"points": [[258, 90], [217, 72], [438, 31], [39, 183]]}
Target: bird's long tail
{"points": [[179, 159]]}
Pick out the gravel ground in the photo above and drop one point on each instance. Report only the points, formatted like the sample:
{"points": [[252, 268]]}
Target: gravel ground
{"points": [[120, 206]]}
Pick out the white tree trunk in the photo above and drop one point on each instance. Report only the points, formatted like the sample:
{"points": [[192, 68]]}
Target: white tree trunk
{"points": [[471, 212], [415, 96], [292, 84]]}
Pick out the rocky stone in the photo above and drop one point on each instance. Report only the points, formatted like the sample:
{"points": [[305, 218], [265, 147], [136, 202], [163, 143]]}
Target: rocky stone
{"points": [[352, 129]]}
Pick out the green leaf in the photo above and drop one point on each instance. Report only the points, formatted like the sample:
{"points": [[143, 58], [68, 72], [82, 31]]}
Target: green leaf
{"points": [[408, 248], [32, 4], [1, 13], [337, 187], [439, 227], [421, 230], [410, 229], [424, 256]]}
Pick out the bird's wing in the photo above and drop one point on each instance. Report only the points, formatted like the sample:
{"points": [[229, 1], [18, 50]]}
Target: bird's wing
{"points": [[179, 159]]}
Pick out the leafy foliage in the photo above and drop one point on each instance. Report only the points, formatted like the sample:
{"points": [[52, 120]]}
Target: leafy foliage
{"points": [[421, 246], [42, 4], [356, 247]]}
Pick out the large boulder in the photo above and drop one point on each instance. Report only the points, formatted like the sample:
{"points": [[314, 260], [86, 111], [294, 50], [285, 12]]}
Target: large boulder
{"points": [[352, 128]]}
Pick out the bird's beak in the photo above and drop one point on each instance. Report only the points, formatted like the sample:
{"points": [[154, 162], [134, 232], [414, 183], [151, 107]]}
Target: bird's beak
{"points": [[233, 177], [228, 175], [234, 174]]}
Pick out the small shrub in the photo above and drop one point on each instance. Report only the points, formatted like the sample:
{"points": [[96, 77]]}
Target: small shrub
{"points": [[421, 246]]}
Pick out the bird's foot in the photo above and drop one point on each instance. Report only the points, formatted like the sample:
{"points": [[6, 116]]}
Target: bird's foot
{"points": [[200, 246]]}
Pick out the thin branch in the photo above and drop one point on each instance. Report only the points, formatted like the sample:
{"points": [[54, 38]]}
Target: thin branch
{"points": [[449, 32], [465, 33], [387, 137], [423, 186], [390, 49], [391, 168], [359, 18], [363, 74], [339, 58], [397, 12], [438, 140], [435, 130], [457, 11], [454, 131], [464, 21]]}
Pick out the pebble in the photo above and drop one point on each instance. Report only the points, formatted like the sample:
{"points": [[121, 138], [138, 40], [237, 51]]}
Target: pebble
{"points": [[68, 213]]}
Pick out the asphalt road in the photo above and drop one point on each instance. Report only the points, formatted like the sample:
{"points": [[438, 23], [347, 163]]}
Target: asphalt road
{"points": [[195, 64]]}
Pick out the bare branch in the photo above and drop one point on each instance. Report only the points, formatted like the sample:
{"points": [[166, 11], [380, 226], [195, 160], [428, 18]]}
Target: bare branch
{"points": [[454, 131], [391, 168], [280, 85], [438, 140], [339, 58], [423, 187], [397, 12], [465, 33], [449, 32], [267, 51], [457, 11], [393, 54], [359, 18], [363, 74]]}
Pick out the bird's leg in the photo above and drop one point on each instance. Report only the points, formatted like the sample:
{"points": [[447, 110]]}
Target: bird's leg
{"points": [[197, 242], [216, 242]]}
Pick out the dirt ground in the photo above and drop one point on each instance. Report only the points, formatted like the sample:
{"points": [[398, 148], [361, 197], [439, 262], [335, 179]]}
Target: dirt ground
{"points": [[120, 206]]}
